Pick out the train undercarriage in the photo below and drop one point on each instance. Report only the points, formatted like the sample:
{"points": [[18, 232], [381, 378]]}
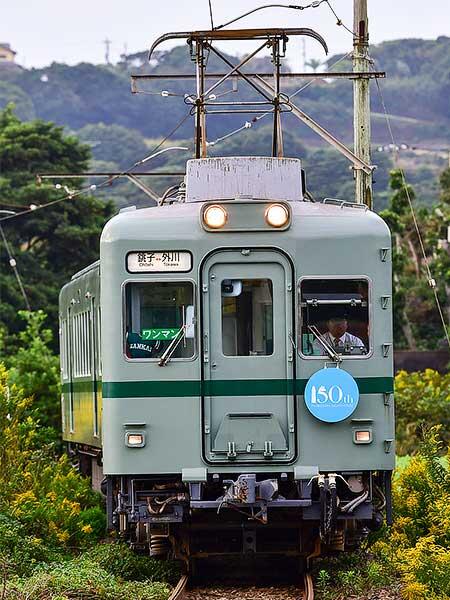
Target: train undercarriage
{"points": [[247, 514]]}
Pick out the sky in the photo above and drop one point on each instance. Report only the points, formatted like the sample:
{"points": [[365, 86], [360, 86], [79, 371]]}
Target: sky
{"points": [[44, 31]]}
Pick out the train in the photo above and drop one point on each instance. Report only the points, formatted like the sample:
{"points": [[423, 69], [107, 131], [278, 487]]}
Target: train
{"points": [[227, 366]]}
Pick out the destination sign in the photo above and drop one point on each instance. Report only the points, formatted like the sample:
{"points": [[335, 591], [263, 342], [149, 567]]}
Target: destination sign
{"points": [[166, 261]]}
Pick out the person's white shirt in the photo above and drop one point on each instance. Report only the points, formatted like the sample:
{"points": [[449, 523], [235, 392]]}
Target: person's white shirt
{"points": [[346, 344]]}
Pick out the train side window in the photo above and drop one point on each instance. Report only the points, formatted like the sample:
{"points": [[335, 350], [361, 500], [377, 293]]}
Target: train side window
{"points": [[247, 317], [64, 351], [334, 316], [157, 314], [81, 344]]}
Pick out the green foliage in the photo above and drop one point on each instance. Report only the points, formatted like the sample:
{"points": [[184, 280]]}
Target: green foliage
{"points": [[417, 323], [35, 369], [417, 87], [418, 546], [41, 491], [22, 551], [114, 143], [49, 244], [349, 575], [118, 560], [82, 580], [420, 398]]}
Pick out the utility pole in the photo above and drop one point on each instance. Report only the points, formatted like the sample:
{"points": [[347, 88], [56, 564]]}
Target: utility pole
{"points": [[107, 43], [361, 101]]}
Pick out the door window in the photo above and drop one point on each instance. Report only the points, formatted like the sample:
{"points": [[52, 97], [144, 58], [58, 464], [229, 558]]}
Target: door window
{"points": [[247, 317], [159, 314], [334, 317]]}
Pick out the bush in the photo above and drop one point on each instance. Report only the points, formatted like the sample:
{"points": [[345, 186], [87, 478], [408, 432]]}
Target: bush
{"points": [[35, 369], [21, 552], [80, 580], [42, 492], [422, 397], [418, 546], [119, 560]]}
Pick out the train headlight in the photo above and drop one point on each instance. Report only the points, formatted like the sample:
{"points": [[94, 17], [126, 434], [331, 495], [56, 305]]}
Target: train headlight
{"points": [[277, 215], [215, 216]]}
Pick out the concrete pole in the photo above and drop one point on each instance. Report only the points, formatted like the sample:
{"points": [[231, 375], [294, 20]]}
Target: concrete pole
{"points": [[361, 101]]}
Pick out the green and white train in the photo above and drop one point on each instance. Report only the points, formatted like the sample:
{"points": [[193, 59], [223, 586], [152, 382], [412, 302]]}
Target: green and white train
{"points": [[227, 366]]}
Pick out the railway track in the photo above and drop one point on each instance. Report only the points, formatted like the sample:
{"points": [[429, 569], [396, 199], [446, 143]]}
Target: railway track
{"points": [[182, 591]]}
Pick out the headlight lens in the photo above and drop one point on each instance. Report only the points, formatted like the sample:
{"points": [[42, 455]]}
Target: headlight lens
{"points": [[215, 216], [277, 215]]}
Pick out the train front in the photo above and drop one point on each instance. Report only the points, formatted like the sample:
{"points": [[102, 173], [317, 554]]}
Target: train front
{"points": [[247, 367]]}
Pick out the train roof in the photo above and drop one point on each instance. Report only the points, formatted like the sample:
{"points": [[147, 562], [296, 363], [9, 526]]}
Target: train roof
{"points": [[330, 218]]}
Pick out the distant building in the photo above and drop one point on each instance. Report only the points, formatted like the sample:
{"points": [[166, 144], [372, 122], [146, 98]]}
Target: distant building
{"points": [[7, 54]]}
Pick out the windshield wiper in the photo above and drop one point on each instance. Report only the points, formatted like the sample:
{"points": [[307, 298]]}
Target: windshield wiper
{"points": [[172, 347], [328, 349]]}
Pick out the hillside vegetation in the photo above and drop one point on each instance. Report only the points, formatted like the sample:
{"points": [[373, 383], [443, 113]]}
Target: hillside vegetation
{"points": [[86, 97]]}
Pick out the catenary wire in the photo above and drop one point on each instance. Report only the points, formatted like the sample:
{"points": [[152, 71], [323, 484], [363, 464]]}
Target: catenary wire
{"points": [[249, 124], [431, 280], [108, 181], [339, 21], [315, 4], [211, 14], [13, 264]]}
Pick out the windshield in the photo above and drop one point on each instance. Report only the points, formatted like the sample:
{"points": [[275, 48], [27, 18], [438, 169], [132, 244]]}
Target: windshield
{"points": [[156, 314], [334, 315]]}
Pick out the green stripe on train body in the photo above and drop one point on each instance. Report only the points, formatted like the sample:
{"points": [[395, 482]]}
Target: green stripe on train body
{"points": [[241, 387]]}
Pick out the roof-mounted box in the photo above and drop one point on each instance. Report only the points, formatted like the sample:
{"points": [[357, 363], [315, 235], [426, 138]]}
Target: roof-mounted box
{"points": [[244, 177]]}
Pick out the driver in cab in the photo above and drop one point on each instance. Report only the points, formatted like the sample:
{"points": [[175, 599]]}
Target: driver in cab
{"points": [[338, 338]]}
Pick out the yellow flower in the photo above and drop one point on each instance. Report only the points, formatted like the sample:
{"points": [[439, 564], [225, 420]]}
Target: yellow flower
{"points": [[415, 591], [87, 528], [63, 536]]}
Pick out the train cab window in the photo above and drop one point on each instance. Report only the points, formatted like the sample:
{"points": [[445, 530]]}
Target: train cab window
{"points": [[334, 317], [159, 315], [247, 317]]}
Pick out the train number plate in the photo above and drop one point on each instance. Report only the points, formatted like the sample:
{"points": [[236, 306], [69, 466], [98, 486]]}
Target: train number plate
{"points": [[159, 262]]}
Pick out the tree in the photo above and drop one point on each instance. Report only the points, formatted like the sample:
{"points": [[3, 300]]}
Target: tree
{"points": [[35, 369], [114, 143], [417, 323], [49, 245]]}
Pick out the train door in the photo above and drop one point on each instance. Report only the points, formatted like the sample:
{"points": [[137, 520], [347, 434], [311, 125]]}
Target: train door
{"points": [[248, 357]]}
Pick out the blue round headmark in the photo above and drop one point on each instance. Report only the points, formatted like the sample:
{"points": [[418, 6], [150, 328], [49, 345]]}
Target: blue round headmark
{"points": [[331, 395]]}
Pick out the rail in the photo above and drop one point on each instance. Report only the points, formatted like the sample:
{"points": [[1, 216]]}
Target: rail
{"points": [[179, 590], [304, 592]]}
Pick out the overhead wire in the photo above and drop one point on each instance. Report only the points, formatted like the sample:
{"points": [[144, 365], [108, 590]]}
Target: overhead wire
{"points": [[314, 4], [249, 124], [339, 21], [431, 279], [89, 188], [211, 14], [13, 264]]}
